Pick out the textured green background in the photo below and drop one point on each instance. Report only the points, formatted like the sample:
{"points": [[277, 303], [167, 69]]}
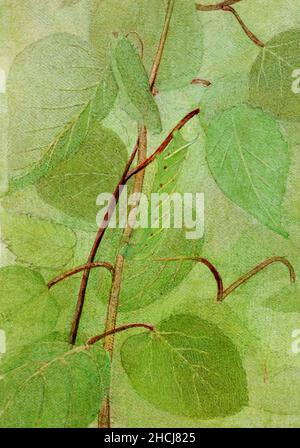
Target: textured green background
{"points": [[255, 316]]}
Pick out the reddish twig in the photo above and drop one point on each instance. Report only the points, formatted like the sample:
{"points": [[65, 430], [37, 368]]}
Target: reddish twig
{"points": [[93, 252], [244, 278], [97, 264], [226, 6], [207, 263], [249, 33], [97, 338], [223, 293], [163, 146], [115, 199]]}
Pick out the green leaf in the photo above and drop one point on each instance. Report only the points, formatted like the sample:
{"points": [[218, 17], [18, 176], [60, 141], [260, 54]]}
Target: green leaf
{"points": [[249, 159], [133, 82], [74, 185], [274, 78], [188, 367], [182, 56], [146, 280], [27, 311], [36, 242], [55, 87], [49, 385]]}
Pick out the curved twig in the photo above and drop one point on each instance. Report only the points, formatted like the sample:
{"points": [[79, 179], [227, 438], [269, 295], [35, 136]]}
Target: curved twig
{"points": [[223, 293], [217, 6], [207, 263], [226, 6], [97, 338], [246, 30], [244, 278], [163, 146], [96, 264], [139, 39]]}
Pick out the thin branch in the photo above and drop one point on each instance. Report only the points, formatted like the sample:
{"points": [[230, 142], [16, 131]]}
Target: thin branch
{"points": [[207, 263], [161, 46], [93, 252], [97, 338], [249, 33], [163, 146], [97, 264], [256, 270], [217, 6], [226, 6]]}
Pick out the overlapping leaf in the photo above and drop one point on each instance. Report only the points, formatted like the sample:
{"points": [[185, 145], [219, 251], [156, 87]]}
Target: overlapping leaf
{"points": [[55, 86], [134, 85], [27, 311], [182, 55], [188, 367], [274, 78], [50, 385], [149, 244], [74, 185], [36, 242]]}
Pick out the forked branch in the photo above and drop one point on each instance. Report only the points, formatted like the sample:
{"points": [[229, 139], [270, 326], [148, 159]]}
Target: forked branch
{"points": [[163, 146], [216, 6], [111, 207], [223, 293]]}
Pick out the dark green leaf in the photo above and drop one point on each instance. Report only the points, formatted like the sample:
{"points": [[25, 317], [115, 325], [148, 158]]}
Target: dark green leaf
{"points": [[188, 367], [274, 78]]}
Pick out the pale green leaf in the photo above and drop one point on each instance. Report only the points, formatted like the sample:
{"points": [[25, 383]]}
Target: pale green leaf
{"points": [[37, 242], [50, 385], [188, 367], [74, 185], [182, 56], [55, 87], [249, 159], [275, 76], [134, 86], [146, 280], [27, 311]]}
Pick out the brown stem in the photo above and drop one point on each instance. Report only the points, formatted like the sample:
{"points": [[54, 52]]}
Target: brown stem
{"points": [[161, 45], [116, 195], [113, 303], [93, 252], [97, 338], [223, 293], [201, 81], [104, 417], [162, 147], [207, 263], [249, 33], [217, 6], [226, 6], [244, 278], [97, 264]]}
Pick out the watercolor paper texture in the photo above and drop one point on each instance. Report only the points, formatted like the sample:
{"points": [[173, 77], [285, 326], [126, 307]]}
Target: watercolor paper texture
{"points": [[150, 213]]}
